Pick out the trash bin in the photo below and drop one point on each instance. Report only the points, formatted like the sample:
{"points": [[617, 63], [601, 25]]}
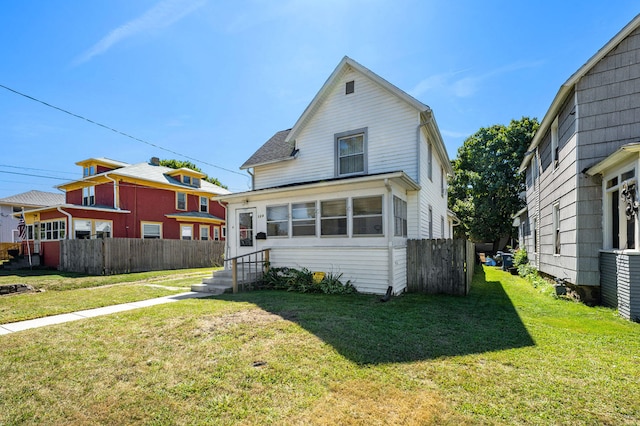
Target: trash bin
{"points": [[507, 261]]}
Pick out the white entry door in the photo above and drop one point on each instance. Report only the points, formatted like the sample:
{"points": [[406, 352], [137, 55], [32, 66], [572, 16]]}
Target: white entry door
{"points": [[245, 231]]}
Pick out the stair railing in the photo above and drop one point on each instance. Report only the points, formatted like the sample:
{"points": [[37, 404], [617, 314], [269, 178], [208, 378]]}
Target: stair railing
{"points": [[243, 266]]}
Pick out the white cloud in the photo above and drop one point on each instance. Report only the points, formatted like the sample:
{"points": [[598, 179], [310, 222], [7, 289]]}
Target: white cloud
{"points": [[466, 86], [162, 15]]}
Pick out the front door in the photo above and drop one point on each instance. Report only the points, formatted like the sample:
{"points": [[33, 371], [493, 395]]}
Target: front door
{"points": [[245, 231]]}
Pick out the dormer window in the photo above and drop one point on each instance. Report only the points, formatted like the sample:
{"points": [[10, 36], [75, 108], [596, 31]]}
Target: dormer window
{"points": [[351, 152], [195, 182], [186, 180], [88, 171]]}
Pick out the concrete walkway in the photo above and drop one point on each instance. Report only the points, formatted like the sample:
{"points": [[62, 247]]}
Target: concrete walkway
{"points": [[90, 313]]}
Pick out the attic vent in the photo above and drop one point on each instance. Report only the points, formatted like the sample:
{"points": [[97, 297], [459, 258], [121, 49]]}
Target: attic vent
{"points": [[350, 87]]}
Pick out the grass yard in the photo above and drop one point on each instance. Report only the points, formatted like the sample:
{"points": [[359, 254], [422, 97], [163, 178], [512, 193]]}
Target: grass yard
{"points": [[506, 354], [63, 292]]}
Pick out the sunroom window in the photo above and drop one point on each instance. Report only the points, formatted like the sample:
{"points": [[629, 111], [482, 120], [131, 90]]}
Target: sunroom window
{"points": [[278, 221], [367, 216]]}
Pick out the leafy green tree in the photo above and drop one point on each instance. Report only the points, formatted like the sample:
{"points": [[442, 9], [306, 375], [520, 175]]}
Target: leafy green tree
{"points": [[178, 164], [485, 190]]}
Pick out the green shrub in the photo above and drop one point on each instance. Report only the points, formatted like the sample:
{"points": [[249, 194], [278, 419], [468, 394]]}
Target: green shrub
{"points": [[520, 258], [301, 281]]}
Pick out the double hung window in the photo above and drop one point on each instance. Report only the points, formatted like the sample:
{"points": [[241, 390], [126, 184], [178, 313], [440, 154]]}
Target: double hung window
{"points": [[351, 152]]}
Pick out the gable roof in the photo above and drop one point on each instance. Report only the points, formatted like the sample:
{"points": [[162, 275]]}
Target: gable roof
{"points": [[275, 149], [34, 199], [281, 146], [334, 78], [568, 85]]}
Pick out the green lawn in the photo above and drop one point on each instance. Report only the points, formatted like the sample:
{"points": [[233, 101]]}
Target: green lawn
{"points": [[62, 293], [505, 354]]}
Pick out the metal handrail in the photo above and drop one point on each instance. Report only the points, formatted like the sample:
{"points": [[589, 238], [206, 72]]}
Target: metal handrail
{"points": [[264, 261]]}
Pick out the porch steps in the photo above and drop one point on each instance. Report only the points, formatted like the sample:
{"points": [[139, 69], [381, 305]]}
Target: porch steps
{"points": [[221, 282]]}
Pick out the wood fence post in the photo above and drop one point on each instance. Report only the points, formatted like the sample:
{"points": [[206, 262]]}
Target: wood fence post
{"points": [[234, 275]]}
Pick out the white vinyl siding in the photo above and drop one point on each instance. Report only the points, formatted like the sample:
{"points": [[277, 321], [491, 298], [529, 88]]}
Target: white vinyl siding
{"points": [[391, 135]]}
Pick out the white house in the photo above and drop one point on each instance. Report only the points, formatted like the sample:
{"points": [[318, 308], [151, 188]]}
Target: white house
{"points": [[18, 202], [362, 170]]}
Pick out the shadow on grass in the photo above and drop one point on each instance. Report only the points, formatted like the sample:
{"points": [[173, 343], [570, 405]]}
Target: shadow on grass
{"points": [[408, 328]]}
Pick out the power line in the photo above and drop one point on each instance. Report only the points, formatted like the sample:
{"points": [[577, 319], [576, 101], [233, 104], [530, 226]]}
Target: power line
{"points": [[118, 131], [36, 169]]}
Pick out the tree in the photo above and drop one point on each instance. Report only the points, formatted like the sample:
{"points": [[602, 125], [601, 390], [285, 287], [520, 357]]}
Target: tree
{"points": [[485, 190], [178, 164]]}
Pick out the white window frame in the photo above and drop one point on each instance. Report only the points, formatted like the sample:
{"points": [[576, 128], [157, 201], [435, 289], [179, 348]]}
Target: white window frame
{"points": [[344, 217], [216, 233], [430, 222], [298, 222], [186, 232], [47, 231], [153, 224], [399, 217], [366, 215], [205, 234], [338, 137], [89, 196], [178, 196], [284, 230], [627, 174], [555, 220], [204, 204]]}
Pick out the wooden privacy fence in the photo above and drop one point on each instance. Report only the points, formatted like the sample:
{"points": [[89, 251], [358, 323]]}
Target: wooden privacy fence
{"points": [[123, 255], [440, 266]]}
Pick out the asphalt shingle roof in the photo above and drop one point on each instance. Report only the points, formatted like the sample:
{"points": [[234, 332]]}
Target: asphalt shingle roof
{"points": [[34, 199], [274, 149]]}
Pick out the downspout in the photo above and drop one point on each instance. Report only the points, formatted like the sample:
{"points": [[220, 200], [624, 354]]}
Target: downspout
{"points": [[70, 221], [390, 234], [115, 191], [253, 180]]}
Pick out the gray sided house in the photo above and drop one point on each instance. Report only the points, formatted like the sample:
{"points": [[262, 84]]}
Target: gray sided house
{"points": [[582, 167], [362, 170]]}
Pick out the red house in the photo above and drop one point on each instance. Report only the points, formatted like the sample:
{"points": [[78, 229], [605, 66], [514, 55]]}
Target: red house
{"points": [[119, 200]]}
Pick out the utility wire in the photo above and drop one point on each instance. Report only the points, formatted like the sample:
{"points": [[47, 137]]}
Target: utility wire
{"points": [[118, 131]]}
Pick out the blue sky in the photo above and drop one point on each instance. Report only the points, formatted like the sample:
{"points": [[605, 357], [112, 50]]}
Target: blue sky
{"points": [[213, 80]]}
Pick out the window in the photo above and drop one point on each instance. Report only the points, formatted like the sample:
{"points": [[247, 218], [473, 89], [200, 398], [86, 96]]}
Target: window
{"points": [[181, 201], [186, 180], [441, 181], [350, 149], [245, 227], [556, 228], [89, 196], [399, 217], [278, 221], [216, 233], [367, 216], [224, 232], [103, 229], [204, 205], [333, 217], [151, 231], [349, 87], [620, 214], [186, 232], [442, 227], [430, 160], [204, 232], [81, 229], [535, 235], [303, 219], [53, 230], [88, 171], [195, 182], [430, 223], [554, 143]]}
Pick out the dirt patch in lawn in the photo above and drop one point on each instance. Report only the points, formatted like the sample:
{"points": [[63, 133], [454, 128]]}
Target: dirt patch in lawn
{"points": [[253, 316]]}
